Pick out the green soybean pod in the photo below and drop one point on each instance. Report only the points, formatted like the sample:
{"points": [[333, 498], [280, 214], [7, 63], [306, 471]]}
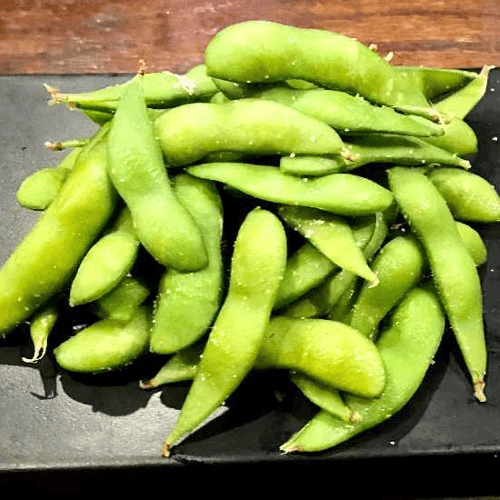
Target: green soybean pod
{"points": [[452, 266], [45, 260], [373, 149], [41, 325], [414, 332], [162, 89], [107, 344], [162, 224], [342, 193], [39, 189], [332, 235], [265, 51], [461, 102], [186, 303], [307, 267], [323, 396], [438, 82], [469, 196], [257, 266], [400, 265], [459, 136], [474, 243], [327, 351], [122, 301], [180, 367], [189, 133], [349, 114], [107, 261], [320, 300]]}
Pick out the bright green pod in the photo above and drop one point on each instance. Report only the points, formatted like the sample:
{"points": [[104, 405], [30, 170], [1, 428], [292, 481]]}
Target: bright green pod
{"points": [[186, 303], [180, 367], [163, 225], [107, 344], [349, 114], [323, 396], [307, 267], [461, 102], [459, 137], [374, 149], [265, 51], [191, 132], [331, 352], [321, 299], [162, 89], [437, 82], [41, 326], [257, 266], [342, 194], [451, 264], [474, 243], [328, 361], [414, 332], [332, 235], [45, 260], [40, 188], [400, 265], [107, 261], [469, 196], [121, 302]]}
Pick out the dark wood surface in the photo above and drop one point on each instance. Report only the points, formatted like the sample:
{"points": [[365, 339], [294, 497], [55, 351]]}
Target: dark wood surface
{"points": [[112, 36]]}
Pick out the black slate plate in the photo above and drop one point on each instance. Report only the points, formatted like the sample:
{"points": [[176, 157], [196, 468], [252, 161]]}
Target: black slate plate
{"points": [[52, 421]]}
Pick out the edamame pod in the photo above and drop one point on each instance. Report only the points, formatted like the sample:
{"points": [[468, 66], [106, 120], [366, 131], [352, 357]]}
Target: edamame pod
{"points": [[374, 149], [39, 189], [474, 243], [45, 260], [459, 136], [186, 303], [191, 132], [349, 114], [399, 264], [162, 89], [181, 367], [436, 82], [107, 261], [257, 267], [163, 225], [265, 51], [106, 344], [328, 351], [469, 196], [332, 235], [415, 332], [41, 326], [342, 194], [307, 267], [321, 299], [121, 302], [452, 266], [324, 396]]}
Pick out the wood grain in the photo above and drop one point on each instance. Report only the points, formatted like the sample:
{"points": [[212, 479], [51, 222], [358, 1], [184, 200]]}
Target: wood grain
{"points": [[99, 36]]}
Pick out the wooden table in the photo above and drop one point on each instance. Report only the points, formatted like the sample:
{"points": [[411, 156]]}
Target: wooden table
{"points": [[112, 36]]}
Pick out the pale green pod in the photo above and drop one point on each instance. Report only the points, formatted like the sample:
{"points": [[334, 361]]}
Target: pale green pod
{"points": [[342, 194], [236, 335], [332, 235], [415, 332], [186, 303], [189, 133], [107, 344], [107, 261]]}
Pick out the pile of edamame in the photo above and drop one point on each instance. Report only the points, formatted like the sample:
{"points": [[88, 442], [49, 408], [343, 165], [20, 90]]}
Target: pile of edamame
{"points": [[305, 206]]}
